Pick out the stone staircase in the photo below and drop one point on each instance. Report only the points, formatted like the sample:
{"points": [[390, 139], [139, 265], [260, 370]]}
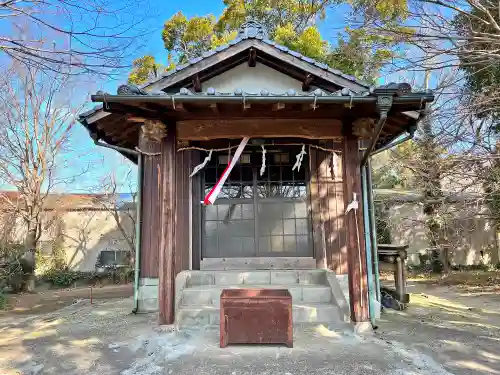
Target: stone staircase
{"points": [[316, 295]]}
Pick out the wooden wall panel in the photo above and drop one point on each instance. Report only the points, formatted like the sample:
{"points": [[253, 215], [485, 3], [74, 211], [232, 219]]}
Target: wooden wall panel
{"points": [[327, 210], [183, 168], [150, 209]]}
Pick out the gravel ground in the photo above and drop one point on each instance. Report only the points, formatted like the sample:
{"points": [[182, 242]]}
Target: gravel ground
{"points": [[105, 338]]}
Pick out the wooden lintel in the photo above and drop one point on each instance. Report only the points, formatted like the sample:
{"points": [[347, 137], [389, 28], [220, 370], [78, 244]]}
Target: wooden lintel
{"points": [[252, 57], [215, 108], [278, 106], [309, 107], [180, 107], [136, 119], [196, 83], [306, 84], [267, 128]]}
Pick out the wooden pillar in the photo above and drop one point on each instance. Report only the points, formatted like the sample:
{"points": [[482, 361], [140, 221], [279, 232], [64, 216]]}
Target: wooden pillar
{"points": [[356, 250], [150, 206], [168, 224]]}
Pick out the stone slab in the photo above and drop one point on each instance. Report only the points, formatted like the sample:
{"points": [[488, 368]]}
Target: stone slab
{"points": [[257, 277], [148, 305], [148, 291], [229, 278], [293, 263], [149, 281]]}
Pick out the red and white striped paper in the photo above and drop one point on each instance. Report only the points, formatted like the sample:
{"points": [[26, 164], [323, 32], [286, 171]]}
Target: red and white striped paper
{"points": [[212, 195]]}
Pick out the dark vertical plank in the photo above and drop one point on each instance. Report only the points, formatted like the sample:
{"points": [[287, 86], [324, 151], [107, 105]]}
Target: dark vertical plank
{"points": [[182, 181], [315, 208], [168, 226], [358, 292], [196, 198], [150, 207]]}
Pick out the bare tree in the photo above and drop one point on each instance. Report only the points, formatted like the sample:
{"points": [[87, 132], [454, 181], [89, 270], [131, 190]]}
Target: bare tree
{"points": [[123, 211], [71, 36], [36, 120]]}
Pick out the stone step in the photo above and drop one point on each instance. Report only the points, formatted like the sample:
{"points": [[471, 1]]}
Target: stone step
{"points": [[258, 263], [282, 277], [210, 294], [303, 313]]}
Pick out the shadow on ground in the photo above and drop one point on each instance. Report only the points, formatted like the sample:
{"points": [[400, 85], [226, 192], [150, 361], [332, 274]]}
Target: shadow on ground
{"points": [[457, 327]]}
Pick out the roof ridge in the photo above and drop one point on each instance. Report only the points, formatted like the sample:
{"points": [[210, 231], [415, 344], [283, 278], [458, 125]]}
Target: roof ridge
{"points": [[256, 31]]}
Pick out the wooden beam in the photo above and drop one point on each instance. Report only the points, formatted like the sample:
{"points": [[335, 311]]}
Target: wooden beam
{"points": [[123, 134], [136, 119], [252, 58], [215, 108], [179, 107], [268, 127], [278, 106], [309, 107], [132, 110], [306, 84], [167, 248], [196, 83], [356, 251]]}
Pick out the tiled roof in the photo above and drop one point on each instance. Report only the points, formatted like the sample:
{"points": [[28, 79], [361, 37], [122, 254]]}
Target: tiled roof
{"points": [[249, 30], [254, 30]]}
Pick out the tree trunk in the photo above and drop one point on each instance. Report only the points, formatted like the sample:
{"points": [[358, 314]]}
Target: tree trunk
{"points": [[28, 261]]}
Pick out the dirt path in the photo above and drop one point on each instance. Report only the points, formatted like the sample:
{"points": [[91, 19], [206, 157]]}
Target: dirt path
{"points": [[52, 300], [445, 331], [106, 339]]}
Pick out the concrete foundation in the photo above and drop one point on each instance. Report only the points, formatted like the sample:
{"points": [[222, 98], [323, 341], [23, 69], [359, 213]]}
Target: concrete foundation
{"points": [[148, 295]]}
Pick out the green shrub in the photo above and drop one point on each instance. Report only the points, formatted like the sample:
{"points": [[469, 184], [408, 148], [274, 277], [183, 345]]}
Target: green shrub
{"points": [[11, 270], [63, 277]]}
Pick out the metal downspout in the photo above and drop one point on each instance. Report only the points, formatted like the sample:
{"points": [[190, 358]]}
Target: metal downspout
{"points": [[393, 144], [368, 242], [373, 229], [138, 215], [138, 218]]}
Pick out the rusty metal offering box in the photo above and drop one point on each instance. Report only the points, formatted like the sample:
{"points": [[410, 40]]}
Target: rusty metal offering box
{"points": [[256, 316]]}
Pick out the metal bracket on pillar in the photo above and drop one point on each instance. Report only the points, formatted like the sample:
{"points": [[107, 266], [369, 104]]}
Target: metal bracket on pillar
{"points": [[384, 104]]}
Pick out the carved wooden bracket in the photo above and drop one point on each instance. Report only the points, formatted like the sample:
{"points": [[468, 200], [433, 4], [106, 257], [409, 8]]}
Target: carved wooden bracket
{"points": [[154, 130], [364, 127]]}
